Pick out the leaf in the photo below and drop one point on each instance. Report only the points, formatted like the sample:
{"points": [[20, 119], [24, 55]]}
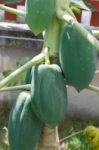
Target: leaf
{"points": [[74, 8], [83, 4], [12, 1]]}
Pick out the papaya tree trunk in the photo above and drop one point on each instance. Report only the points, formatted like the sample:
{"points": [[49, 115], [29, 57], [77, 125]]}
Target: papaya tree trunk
{"points": [[49, 139]]}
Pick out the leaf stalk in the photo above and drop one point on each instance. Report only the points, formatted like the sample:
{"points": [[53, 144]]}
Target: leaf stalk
{"points": [[12, 10]]}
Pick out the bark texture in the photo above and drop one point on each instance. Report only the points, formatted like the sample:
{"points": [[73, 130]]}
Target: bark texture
{"points": [[49, 140]]}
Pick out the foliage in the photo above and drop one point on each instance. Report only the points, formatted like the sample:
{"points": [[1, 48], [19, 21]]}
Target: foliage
{"points": [[21, 79]]}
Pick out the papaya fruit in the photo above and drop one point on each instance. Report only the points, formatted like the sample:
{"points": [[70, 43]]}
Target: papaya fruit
{"points": [[24, 128], [39, 14], [77, 58], [48, 94], [28, 77]]}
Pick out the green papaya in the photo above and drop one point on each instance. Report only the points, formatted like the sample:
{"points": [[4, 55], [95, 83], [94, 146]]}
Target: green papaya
{"points": [[24, 128], [48, 94], [77, 58], [28, 77], [39, 14]]}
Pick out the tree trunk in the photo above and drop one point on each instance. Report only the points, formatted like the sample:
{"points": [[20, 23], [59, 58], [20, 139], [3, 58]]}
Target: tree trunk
{"points": [[49, 140]]}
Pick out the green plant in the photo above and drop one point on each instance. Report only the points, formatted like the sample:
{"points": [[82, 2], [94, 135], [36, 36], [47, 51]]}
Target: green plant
{"points": [[57, 15]]}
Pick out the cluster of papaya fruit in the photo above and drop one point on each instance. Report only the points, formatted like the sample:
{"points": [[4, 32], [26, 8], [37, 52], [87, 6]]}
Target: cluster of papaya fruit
{"points": [[77, 56], [46, 102]]}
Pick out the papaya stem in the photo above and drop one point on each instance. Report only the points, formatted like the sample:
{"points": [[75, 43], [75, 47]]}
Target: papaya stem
{"points": [[53, 32], [52, 37], [36, 60], [66, 17], [16, 88], [63, 5], [12, 10], [49, 139]]}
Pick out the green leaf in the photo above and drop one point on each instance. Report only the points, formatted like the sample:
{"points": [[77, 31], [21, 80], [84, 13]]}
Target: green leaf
{"points": [[12, 1], [83, 4], [74, 8]]}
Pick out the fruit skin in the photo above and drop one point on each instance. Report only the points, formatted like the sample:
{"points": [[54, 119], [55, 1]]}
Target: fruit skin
{"points": [[77, 58], [28, 77], [24, 128], [49, 95], [39, 14]]}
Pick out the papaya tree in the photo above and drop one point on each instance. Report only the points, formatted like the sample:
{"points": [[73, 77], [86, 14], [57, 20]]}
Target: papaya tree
{"points": [[68, 57]]}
